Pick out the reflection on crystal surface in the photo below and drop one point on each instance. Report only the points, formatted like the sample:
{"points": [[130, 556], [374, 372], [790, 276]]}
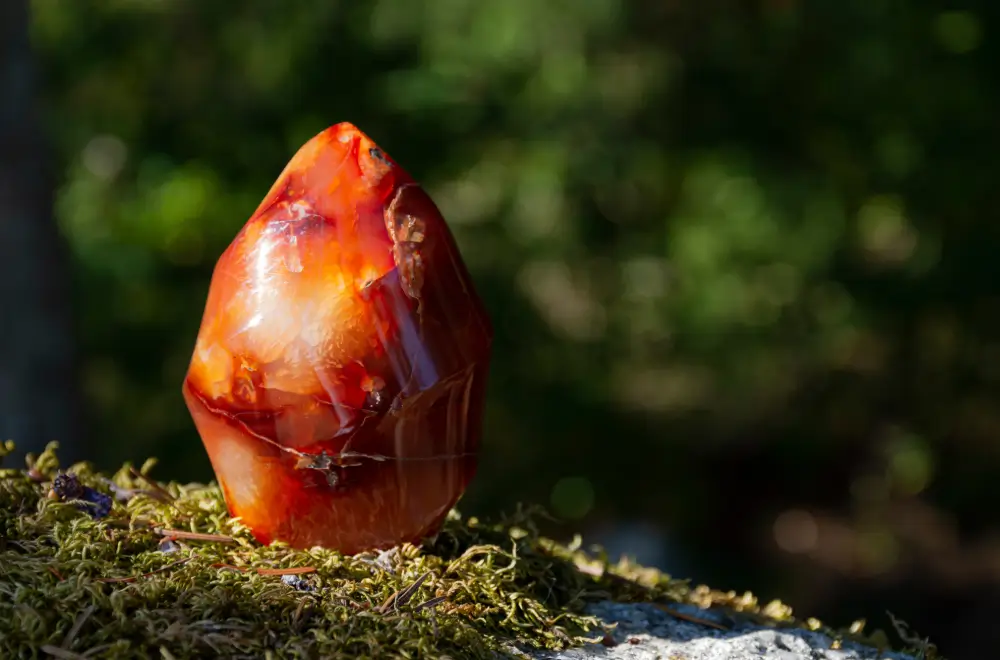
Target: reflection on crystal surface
{"points": [[338, 378]]}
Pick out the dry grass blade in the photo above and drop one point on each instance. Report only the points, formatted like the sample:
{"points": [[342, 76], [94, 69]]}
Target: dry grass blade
{"points": [[407, 594], [161, 492], [432, 602], [52, 569], [194, 536], [403, 596], [133, 578]]}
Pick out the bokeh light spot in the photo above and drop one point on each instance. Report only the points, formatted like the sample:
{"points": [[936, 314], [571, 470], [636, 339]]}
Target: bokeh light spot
{"points": [[911, 467], [878, 550], [796, 531], [959, 32], [104, 156], [572, 497], [887, 237]]}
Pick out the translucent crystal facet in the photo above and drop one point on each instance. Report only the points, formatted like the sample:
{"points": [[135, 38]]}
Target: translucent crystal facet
{"points": [[338, 377]]}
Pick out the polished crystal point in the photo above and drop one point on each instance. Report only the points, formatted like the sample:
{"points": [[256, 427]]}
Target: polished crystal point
{"points": [[338, 377]]}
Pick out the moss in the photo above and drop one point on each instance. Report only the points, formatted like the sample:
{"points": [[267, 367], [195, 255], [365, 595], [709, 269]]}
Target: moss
{"points": [[123, 586]]}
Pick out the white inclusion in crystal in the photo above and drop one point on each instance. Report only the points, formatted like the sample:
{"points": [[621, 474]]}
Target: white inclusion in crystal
{"points": [[298, 211], [262, 262], [292, 258], [254, 322]]}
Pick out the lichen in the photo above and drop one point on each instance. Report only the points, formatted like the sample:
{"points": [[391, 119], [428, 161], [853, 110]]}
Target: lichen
{"points": [[169, 573]]}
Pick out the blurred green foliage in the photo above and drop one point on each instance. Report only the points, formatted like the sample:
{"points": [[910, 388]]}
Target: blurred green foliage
{"points": [[741, 255]]}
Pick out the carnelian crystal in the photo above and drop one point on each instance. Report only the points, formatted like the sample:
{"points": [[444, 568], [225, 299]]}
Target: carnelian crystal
{"points": [[338, 377]]}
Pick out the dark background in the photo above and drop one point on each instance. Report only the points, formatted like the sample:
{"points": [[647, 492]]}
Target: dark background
{"points": [[743, 258]]}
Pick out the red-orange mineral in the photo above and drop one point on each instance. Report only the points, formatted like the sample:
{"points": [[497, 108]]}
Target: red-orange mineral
{"points": [[338, 377]]}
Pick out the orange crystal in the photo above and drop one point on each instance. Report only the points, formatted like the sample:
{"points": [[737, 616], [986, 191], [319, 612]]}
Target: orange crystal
{"points": [[338, 377]]}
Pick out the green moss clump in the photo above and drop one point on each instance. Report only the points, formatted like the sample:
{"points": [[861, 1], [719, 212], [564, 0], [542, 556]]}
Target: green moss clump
{"points": [[74, 586]]}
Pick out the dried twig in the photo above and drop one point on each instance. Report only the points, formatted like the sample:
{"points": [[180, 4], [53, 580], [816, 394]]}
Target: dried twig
{"points": [[194, 536], [300, 570], [52, 569], [296, 570], [692, 619], [145, 575]]}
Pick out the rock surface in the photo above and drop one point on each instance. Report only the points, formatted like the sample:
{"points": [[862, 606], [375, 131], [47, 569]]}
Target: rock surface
{"points": [[644, 632]]}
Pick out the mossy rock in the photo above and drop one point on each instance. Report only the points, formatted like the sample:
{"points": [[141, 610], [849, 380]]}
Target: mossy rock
{"points": [[120, 586]]}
